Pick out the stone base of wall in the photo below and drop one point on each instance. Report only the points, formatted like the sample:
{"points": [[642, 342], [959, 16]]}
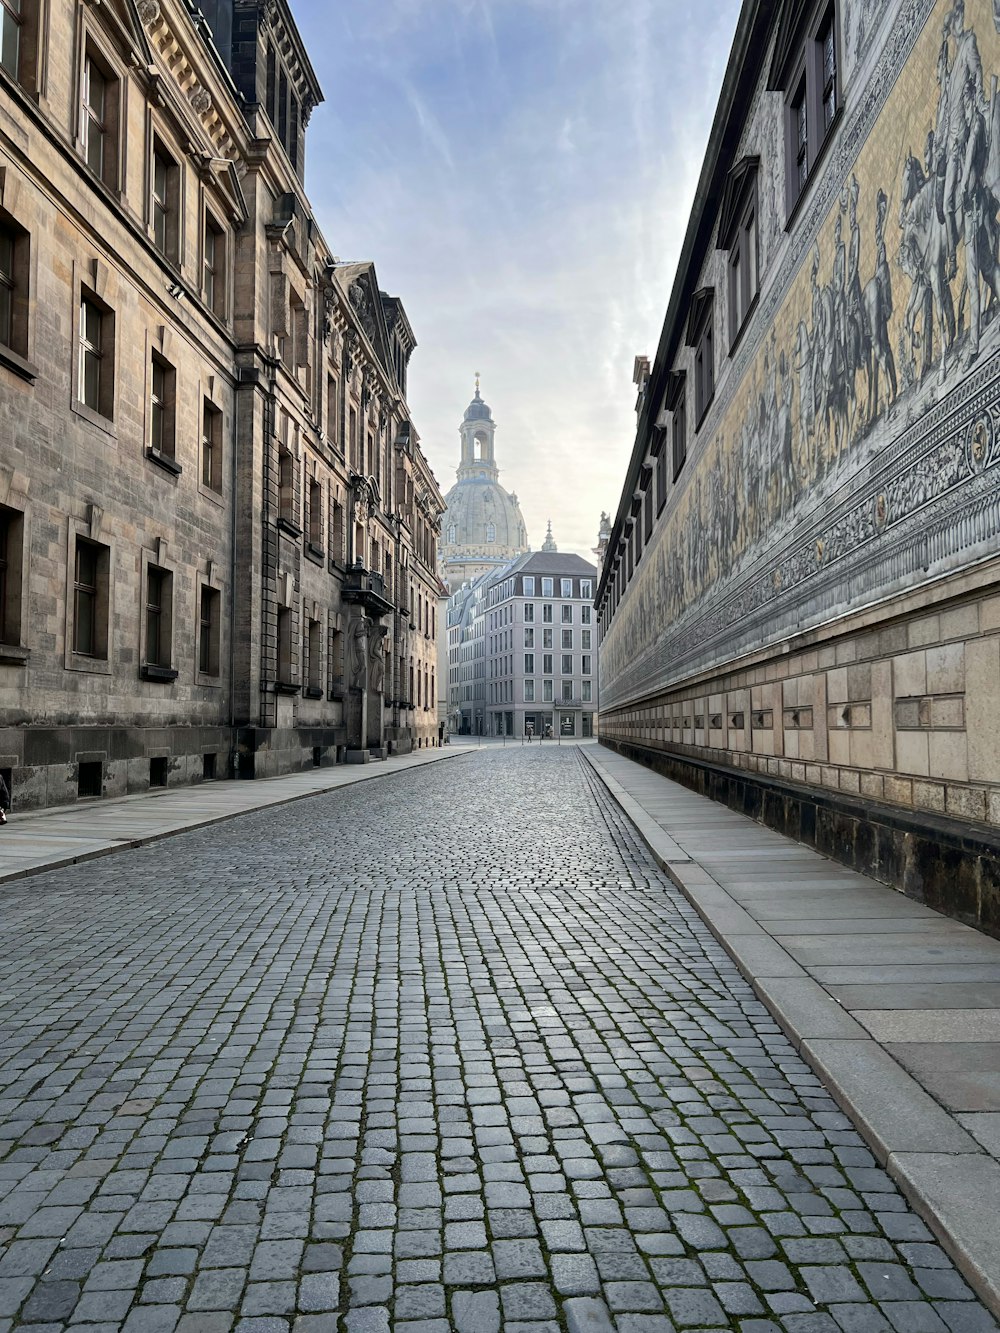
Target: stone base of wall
{"points": [[950, 865]]}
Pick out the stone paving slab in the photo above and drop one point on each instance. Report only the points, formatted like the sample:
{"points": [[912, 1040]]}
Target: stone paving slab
{"points": [[40, 840], [346, 1071], [832, 954]]}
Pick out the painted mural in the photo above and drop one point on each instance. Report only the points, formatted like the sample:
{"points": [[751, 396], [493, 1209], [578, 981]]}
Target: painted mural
{"points": [[869, 396]]}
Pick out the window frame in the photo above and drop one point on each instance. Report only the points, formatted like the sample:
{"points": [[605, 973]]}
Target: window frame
{"points": [[166, 203], [103, 414], [800, 74], [156, 653], [108, 124], [16, 281], [13, 586], [212, 447], [215, 276], [161, 406], [208, 650]]}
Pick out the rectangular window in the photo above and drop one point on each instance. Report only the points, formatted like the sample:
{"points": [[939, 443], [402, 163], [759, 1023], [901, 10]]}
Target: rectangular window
{"points": [[284, 628], [585, 614], [91, 570], [585, 640], [547, 664], [827, 42], [209, 625], [10, 37], [314, 662], [337, 533], [11, 556], [566, 666], [743, 268], [811, 80], [679, 434], [159, 584], [587, 691], [529, 638], [704, 369], [567, 639], [567, 614], [800, 135], [213, 267], [211, 446], [353, 428], [286, 488], [14, 269], [528, 585], [315, 514], [332, 410], [585, 664], [165, 202], [96, 368], [547, 613], [546, 691], [567, 691], [586, 589], [547, 585], [565, 587], [529, 691], [546, 638], [99, 120], [529, 663], [162, 387]]}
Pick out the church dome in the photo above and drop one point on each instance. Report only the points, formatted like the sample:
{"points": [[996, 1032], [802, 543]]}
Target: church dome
{"points": [[482, 526], [482, 517]]}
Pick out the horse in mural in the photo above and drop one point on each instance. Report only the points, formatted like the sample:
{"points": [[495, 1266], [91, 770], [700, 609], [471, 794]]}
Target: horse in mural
{"points": [[924, 257]]}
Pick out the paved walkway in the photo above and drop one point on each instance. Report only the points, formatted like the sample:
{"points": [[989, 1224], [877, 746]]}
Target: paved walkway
{"points": [[894, 1005], [444, 1053], [66, 834]]}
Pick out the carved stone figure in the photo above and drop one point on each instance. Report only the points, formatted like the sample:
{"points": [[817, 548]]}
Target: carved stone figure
{"points": [[377, 654], [359, 651]]}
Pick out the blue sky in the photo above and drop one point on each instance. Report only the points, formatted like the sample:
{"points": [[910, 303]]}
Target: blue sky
{"points": [[521, 173]]}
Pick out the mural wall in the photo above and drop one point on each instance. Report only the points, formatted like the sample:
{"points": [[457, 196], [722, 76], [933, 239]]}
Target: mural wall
{"points": [[852, 449]]}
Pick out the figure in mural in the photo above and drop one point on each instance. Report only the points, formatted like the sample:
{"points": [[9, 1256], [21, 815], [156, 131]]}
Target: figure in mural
{"points": [[923, 257], [964, 68], [877, 307], [979, 210]]}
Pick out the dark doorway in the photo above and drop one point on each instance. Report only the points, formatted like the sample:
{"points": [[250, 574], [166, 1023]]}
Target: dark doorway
{"points": [[90, 778]]}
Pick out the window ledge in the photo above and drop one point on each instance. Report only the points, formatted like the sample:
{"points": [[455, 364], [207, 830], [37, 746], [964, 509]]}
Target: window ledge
{"points": [[285, 687], [164, 461], [207, 680], [315, 553], [12, 654], [97, 419], [286, 525], [20, 365], [160, 675], [312, 692]]}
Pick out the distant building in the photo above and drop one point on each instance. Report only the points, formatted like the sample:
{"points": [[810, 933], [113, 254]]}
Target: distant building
{"points": [[482, 527], [800, 604], [523, 649]]}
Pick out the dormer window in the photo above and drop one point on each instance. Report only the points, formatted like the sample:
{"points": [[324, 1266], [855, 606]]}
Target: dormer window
{"points": [[676, 404], [806, 69], [739, 236], [491, 532], [700, 336]]}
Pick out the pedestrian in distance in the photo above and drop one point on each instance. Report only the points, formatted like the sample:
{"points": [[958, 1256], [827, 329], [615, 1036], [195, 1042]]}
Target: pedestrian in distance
{"points": [[4, 800]]}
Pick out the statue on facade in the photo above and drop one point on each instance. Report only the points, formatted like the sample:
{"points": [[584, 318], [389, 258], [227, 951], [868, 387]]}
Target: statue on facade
{"points": [[359, 651], [377, 654]]}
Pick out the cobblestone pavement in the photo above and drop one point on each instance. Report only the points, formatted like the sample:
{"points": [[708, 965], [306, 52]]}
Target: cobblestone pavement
{"points": [[441, 1052]]}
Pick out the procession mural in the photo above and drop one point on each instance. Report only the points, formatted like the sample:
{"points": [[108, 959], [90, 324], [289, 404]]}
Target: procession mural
{"points": [[868, 400]]}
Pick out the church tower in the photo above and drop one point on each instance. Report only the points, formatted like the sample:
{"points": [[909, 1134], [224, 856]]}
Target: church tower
{"points": [[482, 527]]}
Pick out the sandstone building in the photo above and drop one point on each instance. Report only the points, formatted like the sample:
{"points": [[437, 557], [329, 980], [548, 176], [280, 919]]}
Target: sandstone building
{"points": [[482, 528], [218, 532], [800, 601]]}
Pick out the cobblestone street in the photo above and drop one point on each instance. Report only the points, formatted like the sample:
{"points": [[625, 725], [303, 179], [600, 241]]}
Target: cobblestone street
{"points": [[442, 1051]]}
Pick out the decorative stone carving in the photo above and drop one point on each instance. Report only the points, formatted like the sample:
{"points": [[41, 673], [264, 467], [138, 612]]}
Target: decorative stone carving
{"points": [[148, 10], [201, 101]]}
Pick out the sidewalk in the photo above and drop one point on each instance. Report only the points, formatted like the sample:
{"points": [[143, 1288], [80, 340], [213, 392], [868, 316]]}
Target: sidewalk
{"points": [[896, 1007], [62, 835]]}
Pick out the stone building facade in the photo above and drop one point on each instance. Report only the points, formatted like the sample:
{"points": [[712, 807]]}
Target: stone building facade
{"points": [[800, 602], [217, 528]]}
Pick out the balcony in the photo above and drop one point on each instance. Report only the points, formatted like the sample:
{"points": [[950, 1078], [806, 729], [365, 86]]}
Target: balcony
{"points": [[365, 586]]}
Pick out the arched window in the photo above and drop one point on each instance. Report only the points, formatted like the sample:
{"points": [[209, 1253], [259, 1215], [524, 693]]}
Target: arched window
{"points": [[491, 532], [452, 533]]}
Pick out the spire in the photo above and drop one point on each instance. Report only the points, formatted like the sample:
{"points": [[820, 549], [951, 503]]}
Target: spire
{"points": [[548, 544], [477, 383]]}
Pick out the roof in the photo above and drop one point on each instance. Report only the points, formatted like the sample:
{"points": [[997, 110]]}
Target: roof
{"points": [[552, 562]]}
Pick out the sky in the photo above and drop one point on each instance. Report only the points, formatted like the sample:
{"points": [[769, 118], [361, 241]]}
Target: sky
{"points": [[521, 173]]}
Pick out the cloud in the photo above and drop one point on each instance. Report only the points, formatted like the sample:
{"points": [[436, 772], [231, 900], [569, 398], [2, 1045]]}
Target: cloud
{"points": [[521, 171]]}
